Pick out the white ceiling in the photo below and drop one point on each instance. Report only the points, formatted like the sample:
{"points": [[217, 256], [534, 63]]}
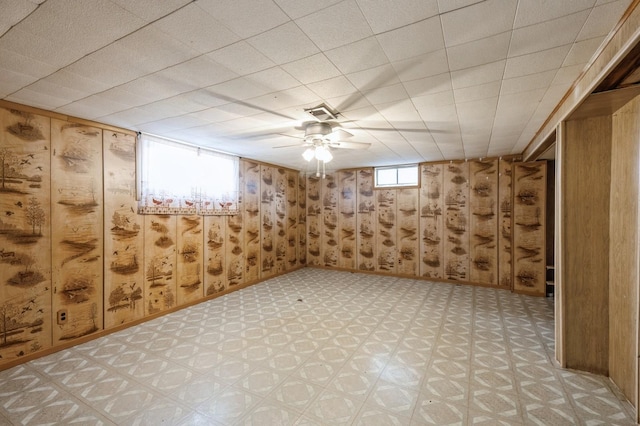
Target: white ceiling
{"points": [[431, 80]]}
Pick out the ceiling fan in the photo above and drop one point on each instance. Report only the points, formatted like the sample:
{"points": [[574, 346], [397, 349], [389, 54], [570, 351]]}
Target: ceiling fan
{"points": [[322, 136]]}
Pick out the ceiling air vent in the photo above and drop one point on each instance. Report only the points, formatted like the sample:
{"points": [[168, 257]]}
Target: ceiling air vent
{"points": [[322, 113]]}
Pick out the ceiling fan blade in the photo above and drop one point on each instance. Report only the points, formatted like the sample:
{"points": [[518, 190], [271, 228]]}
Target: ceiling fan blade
{"points": [[383, 79], [393, 129], [338, 134], [290, 146], [250, 105], [350, 145]]}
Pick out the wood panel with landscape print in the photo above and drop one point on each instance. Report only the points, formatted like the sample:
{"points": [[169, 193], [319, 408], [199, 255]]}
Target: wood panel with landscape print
{"points": [[77, 238], [124, 240], [25, 234]]}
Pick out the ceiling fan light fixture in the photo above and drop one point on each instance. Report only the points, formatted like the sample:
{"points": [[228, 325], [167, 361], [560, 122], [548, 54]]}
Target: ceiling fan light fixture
{"points": [[308, 154], [323, 154]]}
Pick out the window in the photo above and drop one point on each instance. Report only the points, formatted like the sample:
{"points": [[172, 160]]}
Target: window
{"points": [[397, 176], [175, 177]]}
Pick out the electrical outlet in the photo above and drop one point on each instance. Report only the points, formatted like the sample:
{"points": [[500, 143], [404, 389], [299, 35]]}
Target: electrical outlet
{"points": [[62, 316]]}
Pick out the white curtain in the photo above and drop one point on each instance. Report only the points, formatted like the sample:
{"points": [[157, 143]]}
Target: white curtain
{"points": [[175, 177]]}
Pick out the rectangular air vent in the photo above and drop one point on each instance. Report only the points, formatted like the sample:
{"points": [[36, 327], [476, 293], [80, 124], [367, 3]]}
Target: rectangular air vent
{"points": [[322, 112]]}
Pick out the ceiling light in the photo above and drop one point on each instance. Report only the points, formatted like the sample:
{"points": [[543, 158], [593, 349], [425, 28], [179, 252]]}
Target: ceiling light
{"points": [[309, 154]]}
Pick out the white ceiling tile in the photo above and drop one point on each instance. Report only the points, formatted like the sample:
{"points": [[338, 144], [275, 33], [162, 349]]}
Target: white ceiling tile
{"points": [[198, 30], [581, 52], [245, 18], [519, 103], [171, 124], [333, 87], [391, 14], [427, 65], [39, 99], [479, 52], [103, 67], [482, 110], [425, 36], [193, 74], [92, 107], [241, 58], [533, 12], [478, 75], [153, 50], [150, 10], [127, 119], [429, 85], [274, 79], [567, 75], [532, 63], [37, 49], [164, 108], [336, 25], [386, 94], [14, 11], [270, 44], [384, 75], [434, 101], [11, 82], [312, 69], [474, 93], [279, 103], [528, 82], [357, 56], [602, 19], [79, 28], [29, 69], [196, 100], [348, 103], [237, 90], [298, 8], [547, 35], [64, 93], [402, 115], [132, 94], [76, 82], [450, 146], [478, 21], [214, 115], [445, 6]]}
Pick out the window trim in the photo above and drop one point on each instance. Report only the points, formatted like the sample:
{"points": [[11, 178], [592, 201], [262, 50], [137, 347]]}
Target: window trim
{"points": [[397, 168]]}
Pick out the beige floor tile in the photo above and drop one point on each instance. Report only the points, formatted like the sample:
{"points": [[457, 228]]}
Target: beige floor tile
{"points": [[432, 411], [393, 398], [269, 412], [229, 406], [334, 408], [296, 393]]}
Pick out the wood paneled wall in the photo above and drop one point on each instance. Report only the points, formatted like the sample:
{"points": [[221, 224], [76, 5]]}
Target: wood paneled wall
{"points": [[529, 234], [456, 226], [123, 237], [585, 185], [431, 221], [624, 273], [25, 234], [70, 233], [77, 234]]}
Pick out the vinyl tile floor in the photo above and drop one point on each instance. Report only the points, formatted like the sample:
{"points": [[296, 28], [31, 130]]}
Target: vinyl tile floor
{"points": [[319, 347]]}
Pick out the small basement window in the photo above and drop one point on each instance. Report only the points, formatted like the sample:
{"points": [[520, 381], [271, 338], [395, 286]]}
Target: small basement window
{"points": [[396, 176]]}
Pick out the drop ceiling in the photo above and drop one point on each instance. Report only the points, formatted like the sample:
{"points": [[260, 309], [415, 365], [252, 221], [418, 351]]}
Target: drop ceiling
{"points": [[420, 80]]}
